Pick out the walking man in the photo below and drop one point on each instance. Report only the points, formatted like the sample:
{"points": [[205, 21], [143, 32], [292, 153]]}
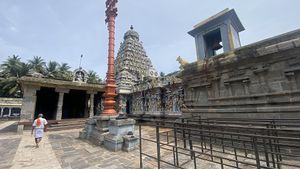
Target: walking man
{"points": [[39, 126]]}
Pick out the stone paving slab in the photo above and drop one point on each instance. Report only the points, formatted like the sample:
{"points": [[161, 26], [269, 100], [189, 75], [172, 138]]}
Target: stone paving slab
{"points": [[6, 124], [76, 154], [64, 150], [27, 156], [8, 149]]}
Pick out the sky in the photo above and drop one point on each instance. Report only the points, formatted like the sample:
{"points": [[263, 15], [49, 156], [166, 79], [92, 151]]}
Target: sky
{"points": [[62, 30]]}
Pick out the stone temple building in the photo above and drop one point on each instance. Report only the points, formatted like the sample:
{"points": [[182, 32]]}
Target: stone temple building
{"points": [[10, 107], [141, 91], [260, 80], [58, 99], [157, 97], [132, 65]]}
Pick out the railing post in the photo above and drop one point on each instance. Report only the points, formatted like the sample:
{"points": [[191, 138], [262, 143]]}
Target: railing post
{"points": [[195, 160], [271, 147], [168, 137], [141, 153], [190, 143], [266, 153], [158, 145], [183, 134], [175, 144], [256, 152]]}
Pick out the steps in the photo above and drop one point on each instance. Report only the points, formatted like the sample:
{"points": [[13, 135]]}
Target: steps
{"points": [[66, 124]]}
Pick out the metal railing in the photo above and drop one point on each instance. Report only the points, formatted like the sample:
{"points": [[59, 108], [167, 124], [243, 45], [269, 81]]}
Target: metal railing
{"points": [[231, 143]]}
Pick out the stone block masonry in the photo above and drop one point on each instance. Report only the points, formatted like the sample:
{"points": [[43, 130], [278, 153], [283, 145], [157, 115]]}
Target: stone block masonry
{"points": [[261, 80]]}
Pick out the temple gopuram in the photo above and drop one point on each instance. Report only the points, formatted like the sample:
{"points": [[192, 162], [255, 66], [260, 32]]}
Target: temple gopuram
{"points": [[141, 91], [132, 63]]}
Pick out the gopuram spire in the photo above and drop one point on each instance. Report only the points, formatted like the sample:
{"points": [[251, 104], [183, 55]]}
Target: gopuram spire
{"points": [[110, 89]]}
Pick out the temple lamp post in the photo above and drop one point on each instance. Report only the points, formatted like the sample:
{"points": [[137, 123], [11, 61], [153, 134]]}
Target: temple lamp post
{"points": [[110, 88]]}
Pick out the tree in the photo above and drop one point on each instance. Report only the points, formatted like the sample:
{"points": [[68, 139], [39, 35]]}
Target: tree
{"points": [[52, 69], [11, 71], [92, 77], [64, 72], [37, 64], [162, 74], [11, 66]]}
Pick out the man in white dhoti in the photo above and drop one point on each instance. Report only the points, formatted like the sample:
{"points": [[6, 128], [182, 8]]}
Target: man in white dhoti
{"points": [[38, 127]]}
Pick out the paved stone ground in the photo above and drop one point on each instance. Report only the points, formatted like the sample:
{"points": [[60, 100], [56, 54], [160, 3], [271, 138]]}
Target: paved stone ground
{"points": [[76, 154], [8, 149], [8, 127], [63, 150]]}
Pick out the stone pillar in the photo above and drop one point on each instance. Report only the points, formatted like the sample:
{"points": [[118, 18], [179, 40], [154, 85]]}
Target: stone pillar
{"points": [[60, 102], [92, 105], [91, 101], [1, 113], [9, 112], [29, 102]]}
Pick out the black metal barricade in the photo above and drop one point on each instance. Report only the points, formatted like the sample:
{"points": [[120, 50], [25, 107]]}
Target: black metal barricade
{"points": [[231, 143]]}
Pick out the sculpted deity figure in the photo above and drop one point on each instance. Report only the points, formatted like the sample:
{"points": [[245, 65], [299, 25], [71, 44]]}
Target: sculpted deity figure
{"points": [[158, 102], [122, 106], [175, 103], [79, 77]]}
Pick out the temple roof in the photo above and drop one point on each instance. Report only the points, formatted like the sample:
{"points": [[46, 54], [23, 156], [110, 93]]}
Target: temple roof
{"points": [[52, 83], [132, 63], [131, 33], [219, 18]]}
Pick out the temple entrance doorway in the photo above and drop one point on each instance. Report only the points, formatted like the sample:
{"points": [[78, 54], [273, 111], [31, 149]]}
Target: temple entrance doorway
{"points": [[75, 104], [46, 103]]}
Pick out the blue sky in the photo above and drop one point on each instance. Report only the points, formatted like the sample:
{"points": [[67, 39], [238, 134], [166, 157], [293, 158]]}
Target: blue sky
{"points": [[62, 30]]}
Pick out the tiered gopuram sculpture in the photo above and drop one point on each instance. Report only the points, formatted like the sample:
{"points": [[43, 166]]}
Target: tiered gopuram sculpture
{"points": [[132, 63], [140, 90]]}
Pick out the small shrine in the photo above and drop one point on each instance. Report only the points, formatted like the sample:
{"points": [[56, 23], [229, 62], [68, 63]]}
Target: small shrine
{"points": [[80, 75]]}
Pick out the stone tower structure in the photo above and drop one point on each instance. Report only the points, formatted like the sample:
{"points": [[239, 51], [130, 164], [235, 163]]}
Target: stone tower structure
{"points": [[217, 34], [132, 63]]}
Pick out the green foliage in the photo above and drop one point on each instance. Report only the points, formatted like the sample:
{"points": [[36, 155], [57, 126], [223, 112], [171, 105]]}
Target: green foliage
{"points": [[37, 64], [13, 68], [92, 77], [52, 69], [64, 72]]}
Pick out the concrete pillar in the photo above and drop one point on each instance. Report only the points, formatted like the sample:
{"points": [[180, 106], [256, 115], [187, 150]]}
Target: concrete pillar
{"points": [[60, 102], [29, 102], [9, 112], [91, 103], [1, 112], [59, 106]]}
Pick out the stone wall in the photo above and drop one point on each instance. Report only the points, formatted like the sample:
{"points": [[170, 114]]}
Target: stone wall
{"points": [[261, 80], [10, 107], [158, 101], [11, 102]]}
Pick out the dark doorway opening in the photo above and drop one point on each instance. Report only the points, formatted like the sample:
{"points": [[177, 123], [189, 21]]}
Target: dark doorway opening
{"points": [[75, 103], [127, 107], [46, 103], [16, 112], [5, 112]]}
